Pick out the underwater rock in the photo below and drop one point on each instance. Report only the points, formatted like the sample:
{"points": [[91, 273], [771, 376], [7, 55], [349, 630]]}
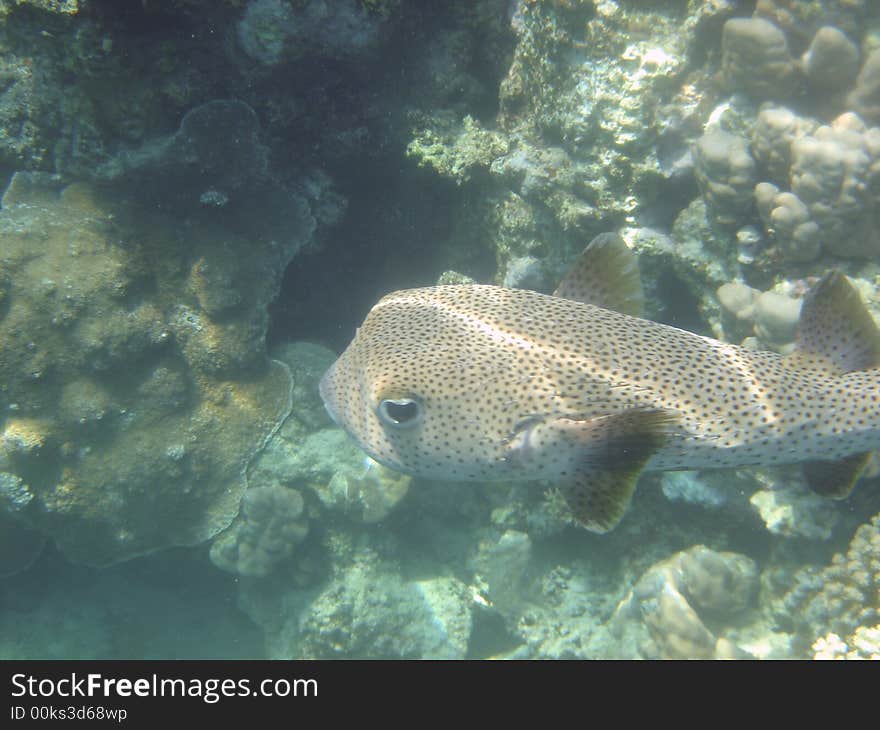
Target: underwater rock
{"points": [[60, 7], [28, 116], [20, 545], [216, 150], [15, 495], [698, 256], [369, 613], [749, 242], [308, 362], [263, 32], [272, 31], [499, 567], [738, 299], [721, 583], [130, 414], [674, 600], [344, 478], [690, 487], [566, 618], [795, 512], [593, 117], [305, 454], [801, 20], [454, 277], [269, 526], [518, 229], [455, 149], [369, 493], [525, 272]]}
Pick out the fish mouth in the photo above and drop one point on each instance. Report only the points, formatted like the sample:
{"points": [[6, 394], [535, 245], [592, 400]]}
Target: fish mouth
{"points": [[325, 388]]}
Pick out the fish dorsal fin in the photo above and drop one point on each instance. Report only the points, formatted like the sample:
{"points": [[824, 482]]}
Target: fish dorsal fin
{"points": [[614, 451], [835, 479], [836, 329], [606, 274]]}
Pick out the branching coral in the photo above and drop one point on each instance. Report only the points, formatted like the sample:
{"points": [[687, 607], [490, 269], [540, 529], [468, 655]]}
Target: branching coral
{"points": [[842, 597]]}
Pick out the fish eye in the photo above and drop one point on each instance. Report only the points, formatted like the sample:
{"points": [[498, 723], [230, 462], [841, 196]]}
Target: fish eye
{"points": [[400, 412]]}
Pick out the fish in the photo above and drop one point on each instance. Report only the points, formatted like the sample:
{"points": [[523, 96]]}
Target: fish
{"points": [[477, 382]]}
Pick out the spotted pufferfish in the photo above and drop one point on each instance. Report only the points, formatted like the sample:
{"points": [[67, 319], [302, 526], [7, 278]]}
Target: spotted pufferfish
{"points": [[486, 383]]}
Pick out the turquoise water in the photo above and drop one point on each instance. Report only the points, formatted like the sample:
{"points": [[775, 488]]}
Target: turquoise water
{"points": [[203, 201]]}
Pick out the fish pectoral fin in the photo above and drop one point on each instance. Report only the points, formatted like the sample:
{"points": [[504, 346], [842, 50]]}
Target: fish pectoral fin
{"points": [[616, 449], [836, 330], [606, 274], [835, 479]]}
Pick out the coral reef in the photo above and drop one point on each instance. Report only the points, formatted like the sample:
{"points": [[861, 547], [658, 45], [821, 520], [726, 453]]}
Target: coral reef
{"points": [[133, 396], [171, 605], [766, 319], [864, 99], [725, 171], [863, 644], [792, 511], [20, 546], [593, 120], [755, 58], [834, 173], [675, 599], [63, 7], [188, 153], [842, 597], [456, 149], [369, 613], [366, 611], [305, 454], [499, 567], [831, 62], [688, 486], [269, 525], [272, 31]]}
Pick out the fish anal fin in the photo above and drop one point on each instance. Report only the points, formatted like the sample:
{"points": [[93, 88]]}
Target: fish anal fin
{"points": [[598, 499], [836, 330], [606, 274], [835, 479], [616, 449]]}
